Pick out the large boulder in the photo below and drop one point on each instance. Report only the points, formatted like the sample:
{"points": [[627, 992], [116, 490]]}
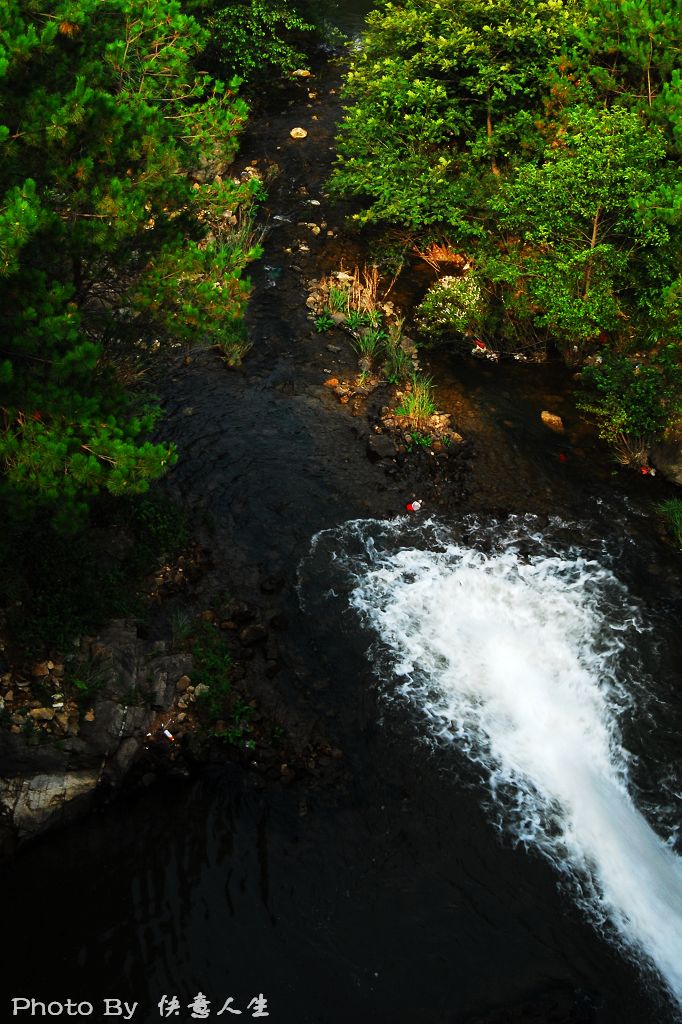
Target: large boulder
{"points": [[42, 801]]}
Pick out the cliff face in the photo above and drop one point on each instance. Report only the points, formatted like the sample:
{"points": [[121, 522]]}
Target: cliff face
{"points": [[52, 771]]}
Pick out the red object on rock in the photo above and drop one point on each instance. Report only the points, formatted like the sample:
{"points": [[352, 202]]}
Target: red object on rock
{"points": [[562, 457], [644, 470], [409, 507]]}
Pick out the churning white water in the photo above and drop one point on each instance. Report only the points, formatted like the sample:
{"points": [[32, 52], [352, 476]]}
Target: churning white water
{"points": [[518, 652]]}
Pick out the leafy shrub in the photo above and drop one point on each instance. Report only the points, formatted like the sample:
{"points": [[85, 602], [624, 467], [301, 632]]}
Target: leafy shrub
{"points": [[633, 402], [452, 304], [257, 34]]}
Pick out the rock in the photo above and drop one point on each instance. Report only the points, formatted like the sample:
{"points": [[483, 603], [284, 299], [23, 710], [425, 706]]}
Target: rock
{"points": [[332, 382], [42, 714], [338, 318], [182, 684], [40, 801], [89, 715], [201, 689], [62, 721], [252, 635], [40, 670], [298, 133], [666, 456], [208, 616], [301, 73], [552, 421], [238, 611], [380, 446]]}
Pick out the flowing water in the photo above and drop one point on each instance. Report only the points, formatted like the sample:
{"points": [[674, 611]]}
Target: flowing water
{"points": [[523, 652]]}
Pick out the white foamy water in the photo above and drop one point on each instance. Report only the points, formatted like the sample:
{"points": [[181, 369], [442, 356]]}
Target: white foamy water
{"points": [[517, 652]]}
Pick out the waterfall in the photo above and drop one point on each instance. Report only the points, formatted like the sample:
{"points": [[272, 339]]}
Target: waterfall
{"points": [[522, 652]]}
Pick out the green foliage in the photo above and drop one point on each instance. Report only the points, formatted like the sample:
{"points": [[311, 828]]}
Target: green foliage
{"points": [[56, 586], [88, 684], [671, 510], [103, 116], [440, 95], [234, 342], [452, 304], [369, 342], [541, 140], [398, 364], [211, 668], [219, 703], [324, 322], [417, 403], [632, 401], [251, 35], [357, 320], [337, 299]]}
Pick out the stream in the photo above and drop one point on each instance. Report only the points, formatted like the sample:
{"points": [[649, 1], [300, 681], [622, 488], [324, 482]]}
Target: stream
{"points": [[499, 675]]}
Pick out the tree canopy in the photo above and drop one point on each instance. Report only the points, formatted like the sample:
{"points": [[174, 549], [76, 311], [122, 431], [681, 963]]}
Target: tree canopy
{"points": [[113, 219], [542, 141]]}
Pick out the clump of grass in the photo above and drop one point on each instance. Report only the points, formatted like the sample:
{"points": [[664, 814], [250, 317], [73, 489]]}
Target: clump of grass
{"points": [[337, 299], [398, 364], [417, 403], [357, 320], [369, 343], [363, 290], [324, 322], [671, 510], [234, 343]]}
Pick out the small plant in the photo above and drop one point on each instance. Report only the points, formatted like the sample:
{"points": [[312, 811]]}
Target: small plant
{"points": [[181, 628], [357, 320], [374, 317], [423, 440], [417, 404], [234, 343], [324, 322], [363, 289], [90, 680], [368, 344], [398, 363], [671, 510], [337, 299]]}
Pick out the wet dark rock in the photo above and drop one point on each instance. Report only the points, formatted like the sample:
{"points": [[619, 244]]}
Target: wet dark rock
{"points": [[666, 456], [238, 611], [252, 635], [272, 584], [380, 446]]}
